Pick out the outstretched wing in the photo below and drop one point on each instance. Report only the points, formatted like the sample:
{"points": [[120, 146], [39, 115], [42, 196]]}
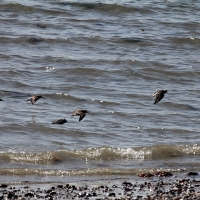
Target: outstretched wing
{"points": [[29, 99], [154, 94], [81, 116], [159, 96], [33, 100]]}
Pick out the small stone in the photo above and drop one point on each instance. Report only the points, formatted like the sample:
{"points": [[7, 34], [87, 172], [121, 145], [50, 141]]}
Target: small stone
{"points": [[129, 194], [94, 194], [53, 193], [126, 189], [192, 174], [82, 194], [29, 194], [127, 184], [112, 194], [12, 196], [21, 198], [3, 186], [114, 186], [146, 175]]}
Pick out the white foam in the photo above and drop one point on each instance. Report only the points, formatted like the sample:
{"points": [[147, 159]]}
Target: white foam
{"points": [[50, 68], [111, 111]]}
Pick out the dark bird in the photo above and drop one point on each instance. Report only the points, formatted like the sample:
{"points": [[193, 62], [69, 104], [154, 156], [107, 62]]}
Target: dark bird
{"points": [[59, 121], [1, 100], [81, 113], [159, 95], [33, 99]]}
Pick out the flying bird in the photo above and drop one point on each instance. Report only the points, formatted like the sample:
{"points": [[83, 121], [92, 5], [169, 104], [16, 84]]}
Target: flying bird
{"points": [[33, 99], [59, 121], [81, 113], [159, 95], [1, 100]]}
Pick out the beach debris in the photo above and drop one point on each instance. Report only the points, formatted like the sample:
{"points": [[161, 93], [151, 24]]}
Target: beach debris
{"points": [[159, 174]]}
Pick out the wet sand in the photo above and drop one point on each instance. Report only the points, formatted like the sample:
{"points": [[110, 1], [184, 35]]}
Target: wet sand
{"points": [[176, 187]]}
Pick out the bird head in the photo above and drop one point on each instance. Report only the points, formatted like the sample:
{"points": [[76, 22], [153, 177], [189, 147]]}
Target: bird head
{"points": [[86, 111]]}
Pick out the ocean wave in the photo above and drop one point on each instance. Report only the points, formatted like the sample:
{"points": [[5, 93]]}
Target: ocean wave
{"points": [[82, 172], [104, 153]]}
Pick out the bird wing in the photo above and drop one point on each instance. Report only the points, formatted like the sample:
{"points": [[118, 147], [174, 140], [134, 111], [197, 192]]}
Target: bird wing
{"points": [[154, 94], [159, 96], [33, 100], [29, 99], [81, 116]]}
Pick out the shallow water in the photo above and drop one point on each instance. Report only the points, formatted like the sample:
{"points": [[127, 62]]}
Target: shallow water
{"points": [[107, 58]]}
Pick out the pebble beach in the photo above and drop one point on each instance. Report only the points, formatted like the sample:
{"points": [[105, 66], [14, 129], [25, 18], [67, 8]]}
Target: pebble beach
{"points": [[175, 187]]}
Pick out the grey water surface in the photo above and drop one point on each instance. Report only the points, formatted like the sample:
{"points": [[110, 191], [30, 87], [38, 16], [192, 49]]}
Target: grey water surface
{"points": [[108, 57]]}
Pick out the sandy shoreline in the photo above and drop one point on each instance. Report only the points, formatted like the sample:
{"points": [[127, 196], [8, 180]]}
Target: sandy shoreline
{"points": [[176, 187]]}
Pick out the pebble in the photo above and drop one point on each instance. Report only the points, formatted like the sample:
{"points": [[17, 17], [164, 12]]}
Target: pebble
{"points": [[3, 186], [159, 189], [192, 174]]}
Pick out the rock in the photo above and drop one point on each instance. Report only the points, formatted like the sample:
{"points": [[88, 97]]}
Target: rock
{"points": [[192, 174], [163, 173], [12, 195], [145, 175], [53, 193], [3, 186], [29, 194], [112, 194], [128, 184]]}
